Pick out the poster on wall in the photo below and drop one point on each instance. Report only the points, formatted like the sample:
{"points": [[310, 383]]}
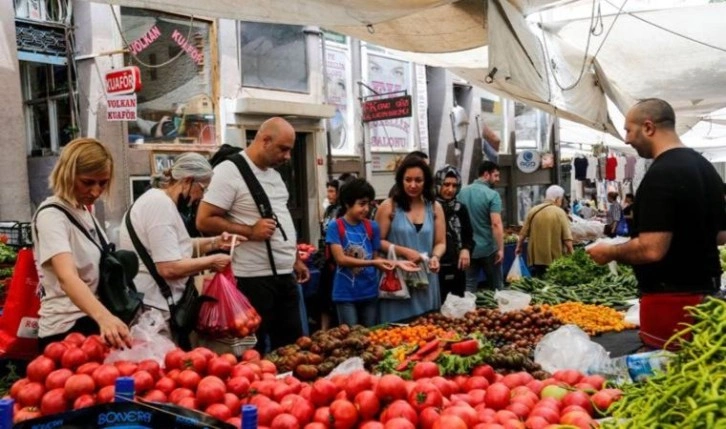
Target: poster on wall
{"points": [[172, 52], [338, 87], [387, 75]]}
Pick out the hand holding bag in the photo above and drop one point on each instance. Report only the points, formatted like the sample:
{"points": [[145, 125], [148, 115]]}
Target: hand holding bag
{"points": [[392, 285]]}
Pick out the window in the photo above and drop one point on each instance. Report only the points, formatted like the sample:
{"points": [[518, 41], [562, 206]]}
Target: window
{"points": [[274, 56], [48, 107], [531, 127], [173, 54]]}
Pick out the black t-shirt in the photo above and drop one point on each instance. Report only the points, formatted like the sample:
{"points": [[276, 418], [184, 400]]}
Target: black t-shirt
{"points": [[581, 168], [681, 193]]}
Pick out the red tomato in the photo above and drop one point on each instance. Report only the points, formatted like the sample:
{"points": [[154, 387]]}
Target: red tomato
{"points": [[30, 394], [536, 422], [399, 408], [281, 390], [284, 421], [152, 367], [390, 388], [358, 382], [15, 388], [189, 402], [578, 398], [528, 401], [143, 382], [219, 367], [503, 416], [73, 358], [251, 355], [512, 380], [425, 395], [26, 413], [208, 354], [243, 370], [551, 415], [75, 338], [344, 414], [535, 386], [126, 368], [485, 371], [596, 381], [165, 384], [94, 350], [368, 404], [425, 370], [263, 387], [239, 386], [477, 396], [173, 359], [106, 394], [266, 411], [372, 425], [87, 368], [55, 351], [79, 384], [520, 409], [219, 411], [399, 423], [323, 392], [497, 396], [234, 421], [232, 402], [196, 361], [54, 402], [443, 385], [460, 381], [569, 376], [189, 379], [576, 418], [602, 401], [476, 382], [211, 390], [84, 401], [180, 393], [267, 367], [55, 379], [450, 422], [467, 414], [514, 424], [105, 375], [299, 407], [315, 425], [427, 418], [39, 368], [156, 395]]}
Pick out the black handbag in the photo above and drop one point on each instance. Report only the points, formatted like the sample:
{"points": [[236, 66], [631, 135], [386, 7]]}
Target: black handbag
{"points": [[185, 313], [117, 269]]}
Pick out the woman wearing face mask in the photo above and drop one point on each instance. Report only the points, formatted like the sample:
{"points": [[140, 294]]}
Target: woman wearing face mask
{"points": [[156, 218], [459, 235], [413, 222]]}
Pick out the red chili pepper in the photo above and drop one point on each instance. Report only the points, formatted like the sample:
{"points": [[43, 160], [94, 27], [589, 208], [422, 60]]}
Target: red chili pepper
{"points": [[465, 348], [427, 348]]}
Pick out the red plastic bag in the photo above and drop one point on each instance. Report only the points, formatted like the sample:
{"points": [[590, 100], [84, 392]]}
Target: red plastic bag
{"points": [[228, 312], [19, 321]]}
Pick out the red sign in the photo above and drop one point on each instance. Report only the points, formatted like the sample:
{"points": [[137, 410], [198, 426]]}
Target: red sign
{"points": [[387, 108], [126, 80]]}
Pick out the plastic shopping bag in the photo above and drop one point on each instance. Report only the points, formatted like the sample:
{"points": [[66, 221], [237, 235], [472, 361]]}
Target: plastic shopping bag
{"points": [[569, 347], [456, 306], [228, 313], [147, 340], [511, 300], [518, 271], [392, 285], [19, 321]]}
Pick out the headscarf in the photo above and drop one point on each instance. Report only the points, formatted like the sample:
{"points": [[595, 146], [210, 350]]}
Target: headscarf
{"points": [[451, 208], [440, 176]]}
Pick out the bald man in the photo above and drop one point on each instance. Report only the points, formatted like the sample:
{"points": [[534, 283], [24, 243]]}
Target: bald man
{"points": [[678, 217], [229, 206]]}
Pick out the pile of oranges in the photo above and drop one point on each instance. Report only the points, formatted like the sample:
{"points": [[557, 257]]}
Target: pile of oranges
{"points": [[593, 319], [394, 336]]}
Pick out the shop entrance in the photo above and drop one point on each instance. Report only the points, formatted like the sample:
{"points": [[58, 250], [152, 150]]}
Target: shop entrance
{"points": [[293, 174]]}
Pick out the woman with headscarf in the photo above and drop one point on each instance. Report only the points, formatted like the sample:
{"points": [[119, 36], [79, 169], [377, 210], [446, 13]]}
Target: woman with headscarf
{"points": [[459, 235]]}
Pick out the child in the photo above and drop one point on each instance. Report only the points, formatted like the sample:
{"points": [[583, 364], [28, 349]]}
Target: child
{"points": [[353, 241]]}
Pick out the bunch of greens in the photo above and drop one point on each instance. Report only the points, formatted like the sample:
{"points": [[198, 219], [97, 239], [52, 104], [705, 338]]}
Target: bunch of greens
{"points": [[574, 269], [7, 254]]}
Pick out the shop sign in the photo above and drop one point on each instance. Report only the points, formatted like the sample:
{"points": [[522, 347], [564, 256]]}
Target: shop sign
{"points": [[387, 108], [125, 80], [121, 108], [528, 161]]}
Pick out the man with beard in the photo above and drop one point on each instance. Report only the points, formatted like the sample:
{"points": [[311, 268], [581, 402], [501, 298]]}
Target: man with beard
{"points": [[678, 219], [267, 265]]}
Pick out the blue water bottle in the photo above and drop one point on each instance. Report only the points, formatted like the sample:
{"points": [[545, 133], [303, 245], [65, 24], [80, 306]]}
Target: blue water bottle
{"points": [[249, 417]]}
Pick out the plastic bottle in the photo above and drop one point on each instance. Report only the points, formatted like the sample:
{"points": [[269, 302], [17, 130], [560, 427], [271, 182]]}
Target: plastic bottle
{"points": [[249, 417], [6, 413]]}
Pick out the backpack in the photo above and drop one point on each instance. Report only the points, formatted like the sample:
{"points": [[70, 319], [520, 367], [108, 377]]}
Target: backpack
{"points": [[341, 233]]}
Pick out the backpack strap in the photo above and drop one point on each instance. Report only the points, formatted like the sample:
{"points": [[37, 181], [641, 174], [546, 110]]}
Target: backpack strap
{"points": [[261, 201], [341, 231], [75, 223], [369, 229]]}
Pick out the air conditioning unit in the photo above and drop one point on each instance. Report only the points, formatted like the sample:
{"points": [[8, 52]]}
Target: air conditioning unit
{"points": [[31, 9]]}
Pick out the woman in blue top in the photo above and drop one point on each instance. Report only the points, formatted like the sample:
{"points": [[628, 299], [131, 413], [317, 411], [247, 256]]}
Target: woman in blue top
{"points": [[354, 242], [414, 222]]}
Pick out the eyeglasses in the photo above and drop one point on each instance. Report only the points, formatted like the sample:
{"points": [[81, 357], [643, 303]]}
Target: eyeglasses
{"points": [[203, 186]]}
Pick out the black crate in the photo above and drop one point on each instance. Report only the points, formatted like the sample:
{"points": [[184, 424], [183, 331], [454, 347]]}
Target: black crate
{"points": [[18, 233]]}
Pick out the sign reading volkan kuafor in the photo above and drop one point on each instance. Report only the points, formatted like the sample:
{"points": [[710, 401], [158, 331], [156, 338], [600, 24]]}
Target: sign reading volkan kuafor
{"points": [[121, 87]]}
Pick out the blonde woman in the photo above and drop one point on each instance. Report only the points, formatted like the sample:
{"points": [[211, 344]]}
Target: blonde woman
{"points": [[68, 262]]}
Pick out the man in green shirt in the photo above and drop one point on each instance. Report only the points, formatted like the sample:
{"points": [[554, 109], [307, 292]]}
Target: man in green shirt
{"points": [[485, 210]]}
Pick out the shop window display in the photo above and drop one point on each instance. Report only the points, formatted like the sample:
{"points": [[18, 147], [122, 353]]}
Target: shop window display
{"points": [[173, 53]]}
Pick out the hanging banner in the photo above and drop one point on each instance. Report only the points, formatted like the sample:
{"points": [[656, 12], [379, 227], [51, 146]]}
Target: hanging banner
{"points": [[386, 75], [422, 100], [337, 65], [387, 108], [121, 108]]}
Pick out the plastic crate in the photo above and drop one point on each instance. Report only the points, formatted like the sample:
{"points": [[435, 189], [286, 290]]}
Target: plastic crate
{"points": [[236, 346], [18, 233]]}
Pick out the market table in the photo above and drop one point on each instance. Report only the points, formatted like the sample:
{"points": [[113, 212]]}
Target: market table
{"points": [[620, 343]]}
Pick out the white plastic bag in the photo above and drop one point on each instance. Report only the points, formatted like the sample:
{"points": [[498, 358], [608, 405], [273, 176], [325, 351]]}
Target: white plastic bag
{"points": [[456, 306], [613, 266], [347, 367], [392, 284], [511, 300], [147, 341], [515, 272], [569, 347], [633, 314]]}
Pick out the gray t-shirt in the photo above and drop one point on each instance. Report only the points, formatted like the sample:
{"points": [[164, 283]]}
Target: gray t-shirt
{"points": [[614, 213]]}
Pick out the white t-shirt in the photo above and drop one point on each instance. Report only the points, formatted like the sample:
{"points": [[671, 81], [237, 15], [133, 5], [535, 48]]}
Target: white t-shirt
{"points": [[229, 191], [162, 232], [56, 235]]}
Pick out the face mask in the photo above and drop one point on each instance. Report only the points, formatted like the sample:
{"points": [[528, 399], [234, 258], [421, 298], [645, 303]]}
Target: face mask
{"points": [[188, 212]]}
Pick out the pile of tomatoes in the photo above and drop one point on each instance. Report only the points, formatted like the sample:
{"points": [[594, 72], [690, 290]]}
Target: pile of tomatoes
{"points": [[71, 375]]}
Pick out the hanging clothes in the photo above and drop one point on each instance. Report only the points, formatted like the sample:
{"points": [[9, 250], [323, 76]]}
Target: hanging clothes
{"points": [[630, 167], [591, 168], [580, 165], [610, 165], [620, 169]]}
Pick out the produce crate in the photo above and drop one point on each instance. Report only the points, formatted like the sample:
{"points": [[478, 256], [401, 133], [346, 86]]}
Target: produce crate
{"points": [[233, 345], [18, 233]]}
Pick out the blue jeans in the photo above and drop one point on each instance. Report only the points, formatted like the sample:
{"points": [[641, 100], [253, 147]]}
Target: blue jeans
{"points": [[358, 312], [495, 278]]}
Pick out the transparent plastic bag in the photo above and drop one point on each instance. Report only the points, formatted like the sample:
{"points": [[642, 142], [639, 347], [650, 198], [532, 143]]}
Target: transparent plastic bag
{"points": [[228, 313], [633, 314], [456, 306], [569, 347], [347, 367], [613, 266], [511, 300], [147, 340], [515, 272], [391, 284]]}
